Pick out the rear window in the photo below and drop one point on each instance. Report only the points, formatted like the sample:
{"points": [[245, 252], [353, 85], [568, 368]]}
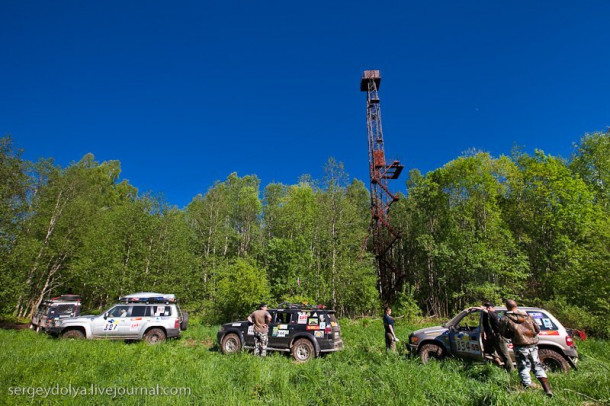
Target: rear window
{"points": [[542, 320], [160, 311]]}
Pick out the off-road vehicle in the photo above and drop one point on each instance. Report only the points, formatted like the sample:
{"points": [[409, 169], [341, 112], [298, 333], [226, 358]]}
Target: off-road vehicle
{"points": [[461, 337], [60, 307], [141, 316], [304, 331]]}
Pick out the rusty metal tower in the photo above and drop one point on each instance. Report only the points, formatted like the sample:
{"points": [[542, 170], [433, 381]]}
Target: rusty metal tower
{"points": [[381, 173]]}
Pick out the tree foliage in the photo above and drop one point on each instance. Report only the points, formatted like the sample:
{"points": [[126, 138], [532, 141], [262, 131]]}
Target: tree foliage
{"points": [[532, 227]]}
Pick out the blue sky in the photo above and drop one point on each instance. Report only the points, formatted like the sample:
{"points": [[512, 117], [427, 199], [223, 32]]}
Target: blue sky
{"points": [[184, 93]]}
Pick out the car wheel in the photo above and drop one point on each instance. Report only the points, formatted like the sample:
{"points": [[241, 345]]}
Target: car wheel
{"points": [[431, 351], [154, 336], [73, 334], [230, 344], [303, 350], [553, 361]]}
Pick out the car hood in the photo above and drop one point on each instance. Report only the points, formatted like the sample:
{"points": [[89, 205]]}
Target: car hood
{"points": [[85, 318], [430, 331], [235, 323]]}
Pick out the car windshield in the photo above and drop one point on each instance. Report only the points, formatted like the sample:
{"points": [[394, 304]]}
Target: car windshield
{"points": [[456, 319]]}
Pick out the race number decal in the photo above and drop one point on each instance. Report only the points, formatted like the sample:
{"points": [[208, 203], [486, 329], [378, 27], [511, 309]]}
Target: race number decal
{"points": [[111, 326]]}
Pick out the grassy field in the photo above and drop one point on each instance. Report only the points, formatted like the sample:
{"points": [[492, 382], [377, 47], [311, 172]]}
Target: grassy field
{"points": [[362, 374]]}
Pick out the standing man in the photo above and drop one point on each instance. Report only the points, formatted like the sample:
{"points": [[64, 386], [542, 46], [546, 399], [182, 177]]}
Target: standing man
{"points": [[390, 336], [523, 331], [494, 340], [260, 318]]}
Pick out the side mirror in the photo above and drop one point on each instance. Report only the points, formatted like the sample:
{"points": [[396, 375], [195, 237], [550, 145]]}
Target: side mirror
{"points": [[105, 316]]}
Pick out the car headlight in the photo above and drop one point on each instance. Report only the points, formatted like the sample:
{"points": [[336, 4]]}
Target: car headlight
{"points": [[221, 329], [57, 322]]}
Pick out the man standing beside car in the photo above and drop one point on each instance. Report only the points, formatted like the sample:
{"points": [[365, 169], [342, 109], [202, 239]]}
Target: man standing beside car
{"points": [[390, 336], [518, 326], [494, 340], [260, 318]]}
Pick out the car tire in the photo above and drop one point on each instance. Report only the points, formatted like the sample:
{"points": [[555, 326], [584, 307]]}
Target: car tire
{"points": [[303, 350], [73, 334], [230, 344], [431, 351], [154, 336], [185, 321], [553, 361]]}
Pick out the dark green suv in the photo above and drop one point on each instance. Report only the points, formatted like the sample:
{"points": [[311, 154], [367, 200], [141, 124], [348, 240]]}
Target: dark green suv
{"points": [[304, 331]]}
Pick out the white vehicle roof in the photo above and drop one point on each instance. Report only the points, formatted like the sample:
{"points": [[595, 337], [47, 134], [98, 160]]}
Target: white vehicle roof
{"points": [[148, 296]]}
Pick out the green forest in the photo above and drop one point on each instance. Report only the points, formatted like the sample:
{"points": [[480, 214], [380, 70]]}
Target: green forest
{"points": [[533, 227]]}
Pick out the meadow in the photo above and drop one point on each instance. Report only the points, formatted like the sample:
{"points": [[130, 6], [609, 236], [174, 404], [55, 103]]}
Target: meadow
{"points": [[361, 374]]}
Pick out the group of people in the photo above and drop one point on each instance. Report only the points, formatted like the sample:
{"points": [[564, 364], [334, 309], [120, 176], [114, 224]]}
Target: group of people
{"points": [[516, 325]]}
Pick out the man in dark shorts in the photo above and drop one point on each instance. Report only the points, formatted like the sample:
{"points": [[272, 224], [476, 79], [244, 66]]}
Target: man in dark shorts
{"points": [[260, 318], [390, 336]]}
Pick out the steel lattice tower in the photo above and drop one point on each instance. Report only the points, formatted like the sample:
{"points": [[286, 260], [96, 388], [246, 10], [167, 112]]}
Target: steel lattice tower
{"points": [[381, 197]]}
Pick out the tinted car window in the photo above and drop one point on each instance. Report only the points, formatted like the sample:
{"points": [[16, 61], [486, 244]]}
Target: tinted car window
{"points": [[138, 311]]}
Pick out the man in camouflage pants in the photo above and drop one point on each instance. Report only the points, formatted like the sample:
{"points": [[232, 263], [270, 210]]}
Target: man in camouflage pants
{"points": [[260, 318], [518, 326]]}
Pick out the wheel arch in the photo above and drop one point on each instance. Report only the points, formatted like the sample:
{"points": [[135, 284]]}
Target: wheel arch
{"points": [[309, 337], [82, 329], [148, 328], [435, 342], [558, 349], [239, 333]]}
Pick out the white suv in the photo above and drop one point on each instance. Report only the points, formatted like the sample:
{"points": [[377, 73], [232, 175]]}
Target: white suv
{"points": [[141, 316]]}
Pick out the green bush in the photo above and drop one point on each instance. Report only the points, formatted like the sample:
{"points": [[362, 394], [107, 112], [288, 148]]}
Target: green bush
{"points": [[572, 316], [240, 288]]}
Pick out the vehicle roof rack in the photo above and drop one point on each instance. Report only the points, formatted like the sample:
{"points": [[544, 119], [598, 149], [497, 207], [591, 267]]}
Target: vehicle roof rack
{"points": [[300, 306], [65, 298], [148, 297]]}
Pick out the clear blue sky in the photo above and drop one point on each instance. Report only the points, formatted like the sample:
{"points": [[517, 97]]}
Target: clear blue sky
{"points": [[184, 93]]}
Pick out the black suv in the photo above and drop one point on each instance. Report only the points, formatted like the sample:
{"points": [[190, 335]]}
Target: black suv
{"points": [[304, 331]]}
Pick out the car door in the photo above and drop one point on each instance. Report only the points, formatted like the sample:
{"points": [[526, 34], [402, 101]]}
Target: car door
{"points": [[279, 330], [465, 336], [118, 321], [102, 324]]}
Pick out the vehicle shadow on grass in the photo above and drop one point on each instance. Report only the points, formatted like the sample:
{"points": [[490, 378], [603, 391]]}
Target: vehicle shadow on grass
{"points": [[6, 325]]}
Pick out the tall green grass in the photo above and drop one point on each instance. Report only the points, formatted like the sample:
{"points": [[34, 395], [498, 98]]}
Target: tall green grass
{"points": [[361, 374]]}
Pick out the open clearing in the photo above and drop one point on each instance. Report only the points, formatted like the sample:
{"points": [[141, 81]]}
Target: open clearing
{"points": [[362, 374]]}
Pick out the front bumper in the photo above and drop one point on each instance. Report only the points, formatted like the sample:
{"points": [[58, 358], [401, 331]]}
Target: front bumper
{"points": [[54, 331]]}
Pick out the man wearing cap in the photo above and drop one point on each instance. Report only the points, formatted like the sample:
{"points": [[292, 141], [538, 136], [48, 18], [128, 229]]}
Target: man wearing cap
{"points": [[260, 318], [493, 339]]}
